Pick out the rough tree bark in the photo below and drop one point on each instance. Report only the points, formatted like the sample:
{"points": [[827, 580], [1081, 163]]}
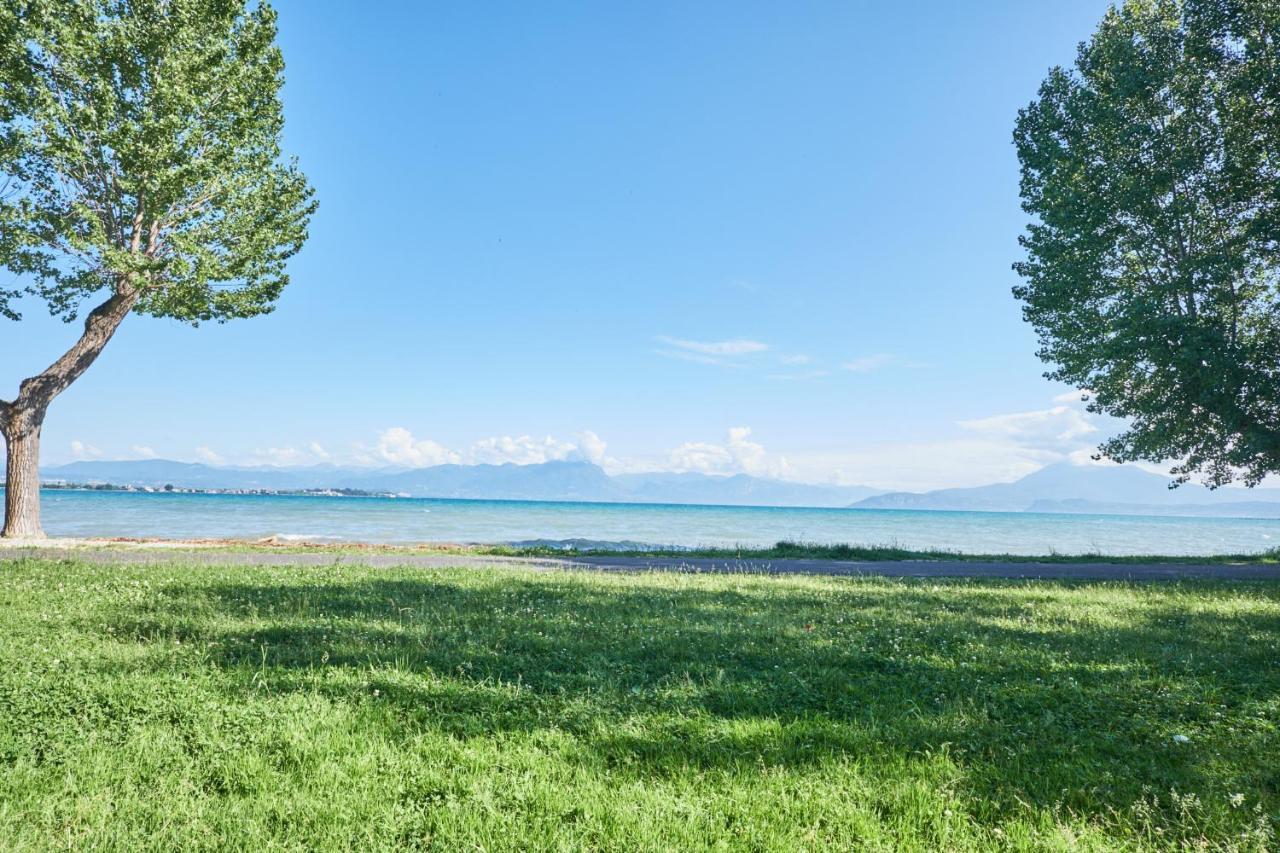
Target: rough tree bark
{"points": [[22, 480], [22, 419]]}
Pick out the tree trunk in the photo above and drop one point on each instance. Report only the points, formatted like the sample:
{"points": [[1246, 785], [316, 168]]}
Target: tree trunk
{"points": [[21, 420], [22, 479]]}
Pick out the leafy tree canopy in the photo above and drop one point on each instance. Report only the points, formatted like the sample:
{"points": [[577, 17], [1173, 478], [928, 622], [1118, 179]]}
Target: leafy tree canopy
{"points": [[139, 156], [1152, 266]]}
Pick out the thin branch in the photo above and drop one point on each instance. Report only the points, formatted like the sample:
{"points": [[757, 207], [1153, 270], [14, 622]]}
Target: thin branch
{"points": [[135, 241]]}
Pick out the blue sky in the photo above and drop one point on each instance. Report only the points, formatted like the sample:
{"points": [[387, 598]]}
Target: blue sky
{"points": [[762, 237]]}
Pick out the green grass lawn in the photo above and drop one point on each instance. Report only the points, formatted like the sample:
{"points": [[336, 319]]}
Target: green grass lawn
{"points": [[349, 708]]}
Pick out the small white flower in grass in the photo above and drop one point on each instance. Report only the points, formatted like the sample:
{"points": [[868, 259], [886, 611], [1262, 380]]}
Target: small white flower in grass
{"points": [[1237, 800], [1181, 739]]}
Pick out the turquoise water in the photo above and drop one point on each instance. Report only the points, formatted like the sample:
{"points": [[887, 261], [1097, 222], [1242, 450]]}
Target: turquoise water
{"points": [[69, 513]]}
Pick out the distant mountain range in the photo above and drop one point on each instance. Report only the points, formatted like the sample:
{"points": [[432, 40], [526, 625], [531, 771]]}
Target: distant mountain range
{"points": [[1061, 488], [1103, 489], [549, 481]]}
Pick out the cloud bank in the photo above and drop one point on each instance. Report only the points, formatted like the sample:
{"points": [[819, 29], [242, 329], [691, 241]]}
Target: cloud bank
{"points": [[981, 450]]}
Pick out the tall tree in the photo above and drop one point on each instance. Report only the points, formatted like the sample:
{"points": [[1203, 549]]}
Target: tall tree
{"points": [[140, 173], [1152, 269]]}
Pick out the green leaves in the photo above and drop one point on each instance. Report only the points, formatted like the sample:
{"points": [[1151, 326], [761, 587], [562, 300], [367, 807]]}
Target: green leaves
{"points": [[139, 144], [1152, 171]]}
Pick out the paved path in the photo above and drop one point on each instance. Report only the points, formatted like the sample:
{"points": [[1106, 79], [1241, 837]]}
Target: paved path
{"points": [[908, 568]]}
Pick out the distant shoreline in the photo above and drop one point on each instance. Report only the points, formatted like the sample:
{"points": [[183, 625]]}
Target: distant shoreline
{"points": [[186, 490]]}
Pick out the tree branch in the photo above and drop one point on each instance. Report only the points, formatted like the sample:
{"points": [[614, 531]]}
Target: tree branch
{"points": [[135, 240], [101, 324]]}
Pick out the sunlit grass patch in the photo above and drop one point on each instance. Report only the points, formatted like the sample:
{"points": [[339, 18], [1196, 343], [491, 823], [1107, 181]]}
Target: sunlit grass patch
{"points": [[344, 707]]}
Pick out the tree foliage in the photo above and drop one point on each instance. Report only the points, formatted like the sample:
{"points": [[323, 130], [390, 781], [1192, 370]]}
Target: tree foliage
{"points": [[140, 156], [1152, 266]]}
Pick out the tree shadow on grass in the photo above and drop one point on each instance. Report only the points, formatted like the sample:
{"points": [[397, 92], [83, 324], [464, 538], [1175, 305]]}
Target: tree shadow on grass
{"points": [[766, 674]]}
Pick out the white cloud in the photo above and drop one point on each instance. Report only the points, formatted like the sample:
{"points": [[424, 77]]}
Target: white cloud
{"points": [[142, 451], [987, 454], [868, 363], [1073, 396], [734, 347], [398, 446], [738, 455], [751, 456], [591, 447], [522, 450], [997, 448], [921, 466], [205, 454], [701, 457], [1084, 456], [1058, 428], [80, 450], [796, 359]]}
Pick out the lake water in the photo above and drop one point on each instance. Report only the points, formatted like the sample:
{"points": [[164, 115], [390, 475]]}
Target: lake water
{"points": [[404, 520]]}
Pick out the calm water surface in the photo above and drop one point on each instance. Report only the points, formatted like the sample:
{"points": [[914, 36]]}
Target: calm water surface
{"points": [[70, 513]]}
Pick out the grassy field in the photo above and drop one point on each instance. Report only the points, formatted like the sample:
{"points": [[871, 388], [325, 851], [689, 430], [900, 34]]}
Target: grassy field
{"points": [[349, 708]]}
